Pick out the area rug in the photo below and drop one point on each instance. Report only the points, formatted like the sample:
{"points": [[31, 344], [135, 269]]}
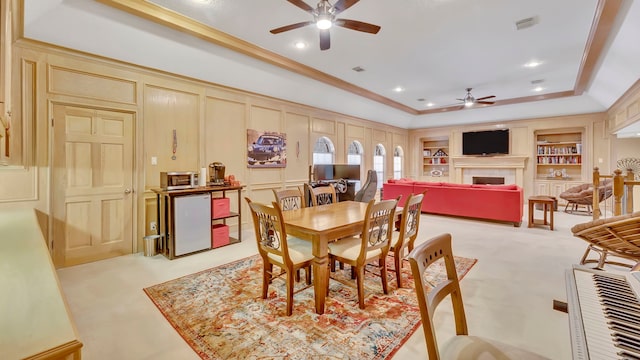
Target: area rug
{"points": [[220, 313]]}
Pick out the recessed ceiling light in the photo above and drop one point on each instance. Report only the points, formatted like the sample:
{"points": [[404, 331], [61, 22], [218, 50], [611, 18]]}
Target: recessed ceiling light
{"points": [[398, 89], [430, 104], [202, 1], [533, 63], [538, 88], [300, 44]]}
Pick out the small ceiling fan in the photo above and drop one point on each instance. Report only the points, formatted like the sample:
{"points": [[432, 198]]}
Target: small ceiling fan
{"points": [[469, 100], [324, 16]]}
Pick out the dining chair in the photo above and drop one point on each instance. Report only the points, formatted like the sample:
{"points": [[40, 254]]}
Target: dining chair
{"points": [[461, 346], [289, 199], [372, 244], [321, 195], [406, 237], [277, 248]]}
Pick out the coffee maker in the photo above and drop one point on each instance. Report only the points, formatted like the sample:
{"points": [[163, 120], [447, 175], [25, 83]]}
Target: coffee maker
{"points": [[216, 173]]}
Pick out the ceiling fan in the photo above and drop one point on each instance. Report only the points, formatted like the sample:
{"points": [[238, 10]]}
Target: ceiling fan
{"points": [[469, 100], [324, 16]]}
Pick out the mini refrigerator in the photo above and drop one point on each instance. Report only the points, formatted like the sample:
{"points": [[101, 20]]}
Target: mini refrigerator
{"points": [[192, 223]]}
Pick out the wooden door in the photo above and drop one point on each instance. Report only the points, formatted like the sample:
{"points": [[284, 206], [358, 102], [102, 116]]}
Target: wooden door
{"points": [[92, 193]]}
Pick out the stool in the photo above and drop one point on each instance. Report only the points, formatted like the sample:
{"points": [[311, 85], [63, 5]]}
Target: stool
{"points": [[547, 203]]}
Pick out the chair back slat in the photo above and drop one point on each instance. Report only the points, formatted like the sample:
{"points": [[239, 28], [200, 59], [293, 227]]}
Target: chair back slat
{"points": [[378, 225], [322, 195], [289, 199], [270, 232], [410, 221], [420, 258]]}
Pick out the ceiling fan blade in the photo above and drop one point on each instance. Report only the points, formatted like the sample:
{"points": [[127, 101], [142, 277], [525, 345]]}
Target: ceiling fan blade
{"points": [[358, 25], [325, 41], [486, 97], [302, 5], [485, 102], [291, 27], [343, 5]]}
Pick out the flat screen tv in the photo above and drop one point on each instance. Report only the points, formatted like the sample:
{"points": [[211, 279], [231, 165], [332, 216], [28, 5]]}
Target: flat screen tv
{"points": [[489, 142], [336, 172]]}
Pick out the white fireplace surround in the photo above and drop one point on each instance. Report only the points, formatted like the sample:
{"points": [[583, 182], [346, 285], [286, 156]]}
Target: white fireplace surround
{"points": [[511, 168]]}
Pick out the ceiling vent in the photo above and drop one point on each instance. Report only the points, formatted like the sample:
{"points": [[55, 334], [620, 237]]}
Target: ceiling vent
{"points": [[358, 69], [526, 23], [536, 82]]}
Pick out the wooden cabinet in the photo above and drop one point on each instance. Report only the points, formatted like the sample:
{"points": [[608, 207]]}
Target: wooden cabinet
{"points": [[553, 188], [559, 156], [435, 157]]}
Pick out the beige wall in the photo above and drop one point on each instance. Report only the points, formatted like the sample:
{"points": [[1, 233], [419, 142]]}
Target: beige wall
{"points": [[624, 112], [522, 142], [211, 124]]}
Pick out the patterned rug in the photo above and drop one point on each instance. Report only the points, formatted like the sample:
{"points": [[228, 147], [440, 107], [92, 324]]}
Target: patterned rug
{"points": [[221, 315]]}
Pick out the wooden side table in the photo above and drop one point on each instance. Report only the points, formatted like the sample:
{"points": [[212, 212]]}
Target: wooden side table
{"points": [[547, 203]]}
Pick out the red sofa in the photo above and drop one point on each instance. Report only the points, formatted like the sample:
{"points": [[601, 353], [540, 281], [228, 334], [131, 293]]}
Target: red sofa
{"points": [[494, 202]]}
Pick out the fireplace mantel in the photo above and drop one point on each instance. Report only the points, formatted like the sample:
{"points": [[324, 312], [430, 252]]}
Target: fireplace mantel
{"points": [[514, 165], [493, 162]]}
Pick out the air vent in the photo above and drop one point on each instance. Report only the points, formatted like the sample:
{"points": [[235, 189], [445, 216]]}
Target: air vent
{"points": [[526, 23], [536, 82], [358, 69], [421, 99]]}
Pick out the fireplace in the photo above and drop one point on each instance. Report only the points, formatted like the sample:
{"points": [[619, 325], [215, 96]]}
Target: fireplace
{"points": [[488, 180], [509, 167]]}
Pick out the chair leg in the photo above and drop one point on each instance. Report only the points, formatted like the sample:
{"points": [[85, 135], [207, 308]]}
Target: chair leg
{"points": [[289, 293], [307, 272], [584, 257], [397, 260], [298, 275], [603, 258], [360, 283], [383, 275], [266, 278]]}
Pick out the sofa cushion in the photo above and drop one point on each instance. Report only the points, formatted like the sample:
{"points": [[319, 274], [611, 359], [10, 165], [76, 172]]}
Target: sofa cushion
{"points": [[496, 187], [427, 183], [452, 185]]}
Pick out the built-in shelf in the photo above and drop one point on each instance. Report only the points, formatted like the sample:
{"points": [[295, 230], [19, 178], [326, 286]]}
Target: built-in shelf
{"points": [[435, 157]]}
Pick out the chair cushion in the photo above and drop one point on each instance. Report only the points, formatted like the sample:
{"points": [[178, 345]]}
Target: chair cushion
{"points": [[349, 248], [477, 348], [299, 251]]}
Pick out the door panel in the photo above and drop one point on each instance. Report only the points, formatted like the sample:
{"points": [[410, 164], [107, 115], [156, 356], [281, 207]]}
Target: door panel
{"points": [[92, 182]]}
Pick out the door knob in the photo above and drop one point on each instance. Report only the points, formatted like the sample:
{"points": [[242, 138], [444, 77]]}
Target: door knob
{"points": [[127, 191]]}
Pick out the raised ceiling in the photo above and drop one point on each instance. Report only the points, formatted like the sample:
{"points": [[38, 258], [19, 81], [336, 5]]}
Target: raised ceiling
{"points": [[433, 49]]}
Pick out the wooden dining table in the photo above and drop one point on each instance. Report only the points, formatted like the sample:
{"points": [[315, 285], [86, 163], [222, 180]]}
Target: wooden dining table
{"points": [[321, 225]]}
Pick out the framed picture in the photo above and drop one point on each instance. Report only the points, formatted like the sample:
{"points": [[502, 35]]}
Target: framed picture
{"points": [[266, 149]]}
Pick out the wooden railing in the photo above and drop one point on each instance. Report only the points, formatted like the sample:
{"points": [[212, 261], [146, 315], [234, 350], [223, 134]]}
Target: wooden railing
{"points": [[622, 192]]}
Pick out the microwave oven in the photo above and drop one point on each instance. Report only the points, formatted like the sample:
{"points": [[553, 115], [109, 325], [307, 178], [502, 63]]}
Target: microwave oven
{"points": [[176, 180]]}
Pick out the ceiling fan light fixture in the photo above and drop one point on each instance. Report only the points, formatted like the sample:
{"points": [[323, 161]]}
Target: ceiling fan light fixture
{"points": [[468, 102], [324, 22]]}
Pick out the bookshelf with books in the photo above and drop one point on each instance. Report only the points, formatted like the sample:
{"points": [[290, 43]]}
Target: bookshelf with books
{"points": [[558, 162], [435, 157]]}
